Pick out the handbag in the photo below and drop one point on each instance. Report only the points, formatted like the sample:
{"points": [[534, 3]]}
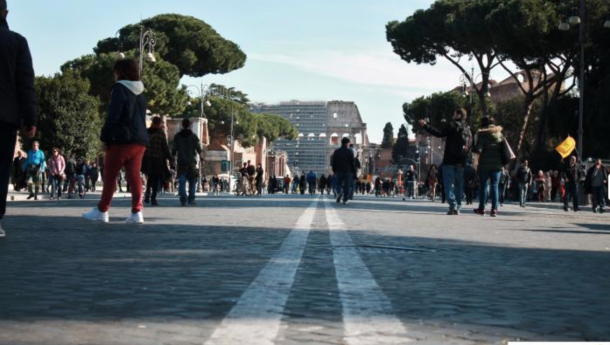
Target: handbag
{"points": [[507, 152]]}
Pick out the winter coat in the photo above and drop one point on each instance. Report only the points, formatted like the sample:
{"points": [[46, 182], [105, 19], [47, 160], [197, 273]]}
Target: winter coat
{"points": [[57, 165], [17, 97], [589, 178], [157, 154], [343, 161], [572, 174], [127, 107], [452, 132], [489, 147], [187, 145]]}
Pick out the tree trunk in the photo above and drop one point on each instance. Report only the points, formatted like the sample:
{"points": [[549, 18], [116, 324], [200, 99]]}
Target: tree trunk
{"points": [[527, 110]]}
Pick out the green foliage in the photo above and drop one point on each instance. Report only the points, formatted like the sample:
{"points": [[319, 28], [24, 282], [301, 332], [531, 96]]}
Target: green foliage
{"points": [[161, 81], [436, 109], [68, 115], [248, 127], [184, 41], [229, 93], [400, 150], [388, 136]]}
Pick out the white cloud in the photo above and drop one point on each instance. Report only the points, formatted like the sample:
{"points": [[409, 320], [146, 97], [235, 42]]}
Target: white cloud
{"points": [[383, 69]]}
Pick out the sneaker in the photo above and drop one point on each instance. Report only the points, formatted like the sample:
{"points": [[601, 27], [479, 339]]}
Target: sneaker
{"points": [[193, 203], [602, 210], [566, 209], [135, 218], [30, 196], [456, 212], [346, 202], [494, 213], [480, 212], [51, 198], [35, 197], [154, 203], [450, 212], [339, 198], [96, 216], [594, 210]]}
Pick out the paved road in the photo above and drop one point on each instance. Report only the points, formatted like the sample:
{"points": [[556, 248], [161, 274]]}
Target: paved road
{"points": [[301, 270]]}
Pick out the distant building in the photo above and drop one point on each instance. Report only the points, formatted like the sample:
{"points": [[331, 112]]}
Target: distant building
{"points": [[321, 127]]}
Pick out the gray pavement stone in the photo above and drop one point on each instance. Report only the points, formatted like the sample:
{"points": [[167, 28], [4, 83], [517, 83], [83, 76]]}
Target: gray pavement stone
{"points": [[533, 274]]}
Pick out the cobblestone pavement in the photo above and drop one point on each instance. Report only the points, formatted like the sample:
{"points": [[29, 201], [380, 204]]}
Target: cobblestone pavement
{"points": [[301, 270]]}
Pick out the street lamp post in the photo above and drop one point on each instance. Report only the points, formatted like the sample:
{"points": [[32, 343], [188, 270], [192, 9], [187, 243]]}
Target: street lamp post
{"points": [[234, 122], [202, 93], [469, 79], [580, 20], [148, 39]]}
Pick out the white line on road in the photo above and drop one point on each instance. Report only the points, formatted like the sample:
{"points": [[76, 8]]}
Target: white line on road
{"points": [[255, 319], [367, 311]]}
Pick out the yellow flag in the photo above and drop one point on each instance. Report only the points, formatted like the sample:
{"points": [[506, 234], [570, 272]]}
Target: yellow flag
{"points": [[566, 147]]}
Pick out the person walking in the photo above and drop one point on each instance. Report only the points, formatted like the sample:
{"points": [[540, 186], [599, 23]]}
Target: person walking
{"points": [[312, 180], [17, 100], [260, 177], [34, 166], [155, 161], [411, 179], [524, 178], [457, 150], [572, 175], [489, 148], [187, 148], [57, 166], [541, 186], [251, 169], [125, 138], [595, 184], [343, 168], [432, 180], [94, 173], [504, 181], [303, 183]]}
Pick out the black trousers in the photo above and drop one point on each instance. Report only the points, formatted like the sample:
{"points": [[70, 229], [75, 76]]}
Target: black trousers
{"points": [[153, 183], [8, 137]]}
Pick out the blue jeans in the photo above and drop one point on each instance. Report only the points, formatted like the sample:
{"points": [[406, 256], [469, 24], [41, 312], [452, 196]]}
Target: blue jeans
{"points": [[56, 186], [523, 193], [182, 188], [485, 190], [80, 179], [453, 182], [344, 180]]}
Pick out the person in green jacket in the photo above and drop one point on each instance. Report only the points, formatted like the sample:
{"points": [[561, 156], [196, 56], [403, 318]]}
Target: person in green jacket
{"points": [[488, 145]]}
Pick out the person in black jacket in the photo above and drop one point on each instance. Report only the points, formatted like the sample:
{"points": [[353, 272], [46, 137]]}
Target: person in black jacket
{"points": [[125, 139], [343, 167], [454, 159], [17, 99], [595, 184], [571, 175]]}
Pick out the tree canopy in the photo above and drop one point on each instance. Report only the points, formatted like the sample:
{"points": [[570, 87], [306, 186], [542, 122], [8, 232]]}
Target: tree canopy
{"points": [[400, 150], [388, 136], [68, 116], [184, 41]]}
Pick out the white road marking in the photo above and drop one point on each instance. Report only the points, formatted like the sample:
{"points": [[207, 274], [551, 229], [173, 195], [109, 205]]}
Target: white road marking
{"points": [[367, 311], [255, 319]]}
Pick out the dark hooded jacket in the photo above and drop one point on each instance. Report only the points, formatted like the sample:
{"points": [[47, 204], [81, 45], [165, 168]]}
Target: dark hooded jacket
{"points": [[489, 147], [17, 98], [187, 145], [127, 110], [453, 133]]}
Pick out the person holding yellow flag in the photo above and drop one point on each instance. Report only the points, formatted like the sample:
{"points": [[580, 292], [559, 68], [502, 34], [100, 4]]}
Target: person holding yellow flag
{"points": [[572, 176]]}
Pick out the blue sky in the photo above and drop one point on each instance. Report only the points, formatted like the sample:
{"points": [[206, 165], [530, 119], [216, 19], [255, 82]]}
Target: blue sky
{"points": [[304, 50]]}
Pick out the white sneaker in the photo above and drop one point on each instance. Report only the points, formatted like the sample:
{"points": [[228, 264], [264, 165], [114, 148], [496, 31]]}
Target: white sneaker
{"points": [[135, 218], [96, 216]]}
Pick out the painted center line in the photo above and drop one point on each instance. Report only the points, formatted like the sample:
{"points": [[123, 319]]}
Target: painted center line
{"points": [[256, 317], [367, 312]]}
